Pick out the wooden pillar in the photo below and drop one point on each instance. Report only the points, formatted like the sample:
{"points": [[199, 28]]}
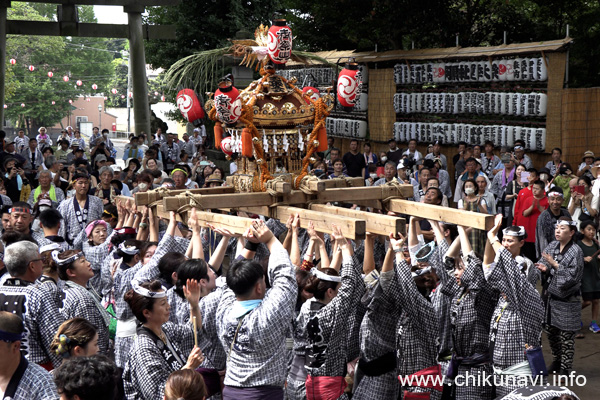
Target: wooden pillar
{"points": [[3, 8], [141, 108]]}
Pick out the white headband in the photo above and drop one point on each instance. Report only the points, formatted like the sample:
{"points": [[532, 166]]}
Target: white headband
{"points": [[420, 272], [68, 260], [563, 222], [555, 194], [324, 277], [146, 293], [131, 250], [510, 232], [49, 247]]}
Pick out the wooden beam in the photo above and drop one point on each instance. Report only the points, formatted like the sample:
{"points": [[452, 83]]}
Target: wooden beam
{"points": [[320, 185], [364, 193], [352, 228], [144, 198], [375, 223], [208, 201], [46, 28], [438, 213], [232, 223]]}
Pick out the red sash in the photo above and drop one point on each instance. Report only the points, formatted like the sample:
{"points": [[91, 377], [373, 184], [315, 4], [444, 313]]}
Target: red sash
{"points": [[325, 387]]}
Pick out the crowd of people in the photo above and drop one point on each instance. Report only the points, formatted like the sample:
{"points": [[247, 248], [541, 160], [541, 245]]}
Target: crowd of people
{"points": [[101, 299]]}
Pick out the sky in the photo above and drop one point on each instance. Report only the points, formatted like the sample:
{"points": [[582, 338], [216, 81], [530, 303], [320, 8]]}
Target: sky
{"points": [[110, 15]]}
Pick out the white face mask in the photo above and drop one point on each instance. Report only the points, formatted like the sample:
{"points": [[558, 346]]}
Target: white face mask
{"points": [[374, 176], [143, 186], [544, 177], [469, 191], [383, 159]]}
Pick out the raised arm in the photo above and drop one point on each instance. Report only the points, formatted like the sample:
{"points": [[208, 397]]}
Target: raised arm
{"points": [[295, 244], [216, 260], [369, 257]]}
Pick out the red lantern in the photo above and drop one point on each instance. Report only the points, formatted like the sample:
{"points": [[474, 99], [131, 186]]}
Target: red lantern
{"points": [[130, 95], [226, 146], [12, 62], [279, 45], [50, 74], [70, 101], [314, 93], [5, 106], [31, 68], [94, 86], [190, 107], [228, 103], [122, 96], [155, 94], [113, 91], [66, 78], [163, 98], [105, 98], [349, 86], [88, 99], [79, 83], [22, 104], [53, 102]]}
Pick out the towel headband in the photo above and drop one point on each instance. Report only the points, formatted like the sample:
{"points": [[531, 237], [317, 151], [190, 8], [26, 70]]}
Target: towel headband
{"points": [[131, 250], [324, 277], [68, 260], [509, 232], [49, 247], [563, 222], [147, 293]]}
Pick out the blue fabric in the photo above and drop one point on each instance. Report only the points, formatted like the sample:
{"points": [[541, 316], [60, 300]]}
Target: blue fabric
{"points": [[244, 307]]}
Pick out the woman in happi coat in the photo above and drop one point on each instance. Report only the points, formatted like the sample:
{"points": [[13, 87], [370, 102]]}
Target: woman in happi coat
{"points": [[81, 300], [82, 209], [418, 329], [562, 268], [516, 324], [336, 297], [156, 353], [471, 307]]}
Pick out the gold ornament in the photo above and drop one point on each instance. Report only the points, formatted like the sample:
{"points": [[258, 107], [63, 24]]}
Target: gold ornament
{"points": [[312, 160], [316, 143]]}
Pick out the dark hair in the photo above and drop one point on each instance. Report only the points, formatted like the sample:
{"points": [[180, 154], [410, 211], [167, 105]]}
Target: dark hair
{"points": [[470, 159], [488, 143], [533, 171], [138, 303], [144, 247], [557, 149], [50, 218], [62, 269], [168, 264], [195, 268], [412, 140], [440, 195], [11, 323], [428, 163], [556, 189], [185, 384], [121, 237], [90, 378], [585, 224], [433, 178], [22, 204], [11, 237], [79, 332], [354, 140], [127, 258], [519, 142], [145, 176], [366, 144], [336, 161], [243, 275], [5, 210], [540, 183], [462, 143], [112, 209], [302, 277], [453, 230], [319, 287], [516, 229], [586, 179]]}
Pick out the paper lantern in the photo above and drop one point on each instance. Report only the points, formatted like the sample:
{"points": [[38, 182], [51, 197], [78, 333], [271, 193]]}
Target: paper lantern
{"points": [[113, 91], [314, 93], [12, 62], [227, 146], [228, 103], [50, 74], [190, 107], [105, 98], [94, 86], [79, 83], [163, 98], [66, 78], [348, 86], [88, 99], [279, 45], [122, 96], [31, 68], [22, 104], [155, 93], [53, 102], [70, 101]]}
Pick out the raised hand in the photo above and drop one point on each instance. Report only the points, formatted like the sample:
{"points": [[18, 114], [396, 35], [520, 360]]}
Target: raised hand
{"points": [[396, 244], [288, 223], [191, 291], [192, 219], [261, 232], [194, 359]]}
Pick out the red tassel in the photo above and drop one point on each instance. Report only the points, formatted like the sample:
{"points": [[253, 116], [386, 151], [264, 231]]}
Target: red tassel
{"points": [[218, 135], [322, 138], [246, 143]]}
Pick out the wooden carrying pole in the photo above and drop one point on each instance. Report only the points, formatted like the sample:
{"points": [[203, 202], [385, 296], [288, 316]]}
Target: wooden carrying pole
{"points": [[471, 219], [352, 228], [378, 224], [232, 223]]}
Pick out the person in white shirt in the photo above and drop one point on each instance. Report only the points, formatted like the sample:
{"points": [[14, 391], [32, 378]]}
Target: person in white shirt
{"points": [[412, 152]]}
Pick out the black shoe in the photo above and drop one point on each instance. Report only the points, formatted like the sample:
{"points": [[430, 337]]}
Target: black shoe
{"points": [[554, 367]]}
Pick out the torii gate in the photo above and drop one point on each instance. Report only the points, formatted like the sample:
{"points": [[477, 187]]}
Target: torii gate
{"points": [[68, 25]]}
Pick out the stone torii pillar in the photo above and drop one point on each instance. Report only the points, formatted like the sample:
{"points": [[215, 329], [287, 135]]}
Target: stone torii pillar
{"points": [[137, 63]]}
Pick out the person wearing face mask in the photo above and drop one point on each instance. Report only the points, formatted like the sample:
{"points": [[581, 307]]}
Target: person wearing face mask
{"points": [[372, 175], [545, 176]]}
